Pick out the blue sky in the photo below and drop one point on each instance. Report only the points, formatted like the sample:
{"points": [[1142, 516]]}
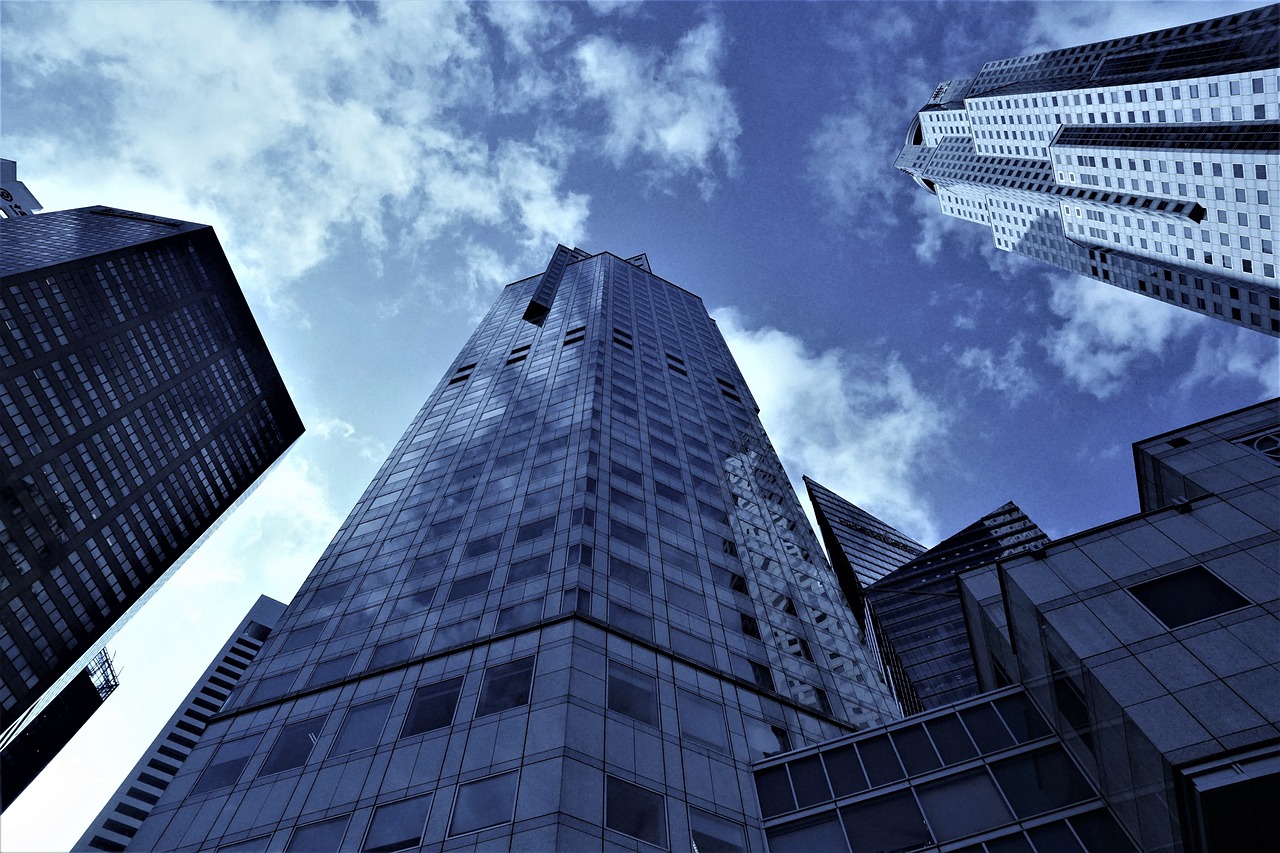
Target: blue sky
{"points": [[378, 172]]}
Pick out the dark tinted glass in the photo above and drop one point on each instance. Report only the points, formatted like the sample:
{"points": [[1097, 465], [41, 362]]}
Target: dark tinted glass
{"points": [[506, 685], [432, 707], [1041, 781], [892, 822], [1022, 718], [844, 770], [714, 834], [293, 747], [809, 836], [809, 781], [986, 728], [635, 811], [773, 787], [962, 805], [397, 826], [330, 670], [530, 568], [227, 764], [951, 739], [1187, 596], [321, 837], [473, 585], [633, 693], [483, 803], [915, 750], [362, 727], [880, 761]]}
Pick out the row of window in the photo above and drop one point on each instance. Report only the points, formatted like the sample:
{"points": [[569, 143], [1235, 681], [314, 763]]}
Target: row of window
{"points": [[630, 809]]}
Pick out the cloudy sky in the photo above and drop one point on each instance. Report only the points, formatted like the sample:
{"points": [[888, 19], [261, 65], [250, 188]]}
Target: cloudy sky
{"points": [[377, 172]]}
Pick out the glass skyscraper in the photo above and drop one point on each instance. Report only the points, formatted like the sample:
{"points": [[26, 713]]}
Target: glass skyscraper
{"points": [[138, 402], [578, 600], [1149, 162]]}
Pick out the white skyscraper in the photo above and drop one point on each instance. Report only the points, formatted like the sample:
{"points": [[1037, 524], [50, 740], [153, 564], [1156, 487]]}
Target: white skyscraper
{"points": [[1150, 162]]}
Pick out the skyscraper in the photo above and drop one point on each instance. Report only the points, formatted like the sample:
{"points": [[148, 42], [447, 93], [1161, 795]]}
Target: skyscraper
{"points": [[1149, 162], [138, 402], [576, 602]]}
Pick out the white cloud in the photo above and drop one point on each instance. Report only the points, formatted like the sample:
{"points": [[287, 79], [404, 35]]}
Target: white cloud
{"points": [[1107, 330], [1241, 354], [857, 425], [369, 449], [674, 109], [1004, 373], [280, 147]]}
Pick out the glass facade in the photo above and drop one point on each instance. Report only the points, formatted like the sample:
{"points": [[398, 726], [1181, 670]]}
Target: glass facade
{"points": [[138, 402], [917, 607], [1148, 162], [574, 605]]}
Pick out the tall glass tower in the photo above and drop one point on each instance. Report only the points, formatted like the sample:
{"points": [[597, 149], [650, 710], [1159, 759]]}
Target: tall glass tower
{"points": [[574, 605], [1149, 162]]}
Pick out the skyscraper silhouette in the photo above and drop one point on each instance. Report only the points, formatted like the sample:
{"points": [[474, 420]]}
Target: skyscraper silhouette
{"points": [[576, 602], [138, 402], [1149, 162]]}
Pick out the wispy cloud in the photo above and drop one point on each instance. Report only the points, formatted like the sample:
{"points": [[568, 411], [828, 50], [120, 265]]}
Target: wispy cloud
{"points": [[859, 426], [674, 108], [1107, 330], [1005, 373]]}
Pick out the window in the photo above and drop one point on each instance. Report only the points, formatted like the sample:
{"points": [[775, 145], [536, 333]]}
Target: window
{"points": [[962, 805], [1041, 781], [397, 826], [517, 615], [626, 619], [293, 747], [702, 721], [891, 822], [362, 727], [393, 652], [319, 837], [505, 686], [529, 568], [713, 833], [635, 811], [468, 586], [633, 693], [227, 764], [1187, 596], [455, 633], [432, 707], [633, 576], [484, 803]]}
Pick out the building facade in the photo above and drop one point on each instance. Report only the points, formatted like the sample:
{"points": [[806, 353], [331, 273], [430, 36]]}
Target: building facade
{"points": [[120, 818], [574, 605], [1150, 162], [1132, 689], [917, 607], [138, 402]]}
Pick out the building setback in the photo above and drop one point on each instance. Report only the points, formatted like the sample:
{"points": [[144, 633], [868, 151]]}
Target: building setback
{"points": [[138, 402], [917, 607], [574, 605], [1150, 162], [119, 820], [1132, 678]]}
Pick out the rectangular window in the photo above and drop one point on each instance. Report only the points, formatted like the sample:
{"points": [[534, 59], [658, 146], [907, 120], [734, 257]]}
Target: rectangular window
{"points": [[227, 764], [702, 721], [1187, 596], [632, 576], [517, 615], [626, 619], [432, 707], [505, 686], [634, 811], [362, 727], [633, 693], [468, 586], [529, 568], [397, 826], [331, 670], [534, 529], [484, 803], [321, 837], [293, 747]]}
